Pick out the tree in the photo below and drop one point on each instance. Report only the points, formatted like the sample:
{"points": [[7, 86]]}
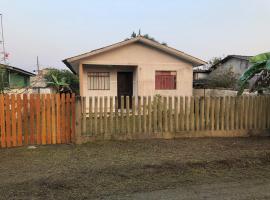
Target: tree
{"points": [[222, 78], [3, 78], [214, 61], [62, 80], [261, 68], [147, 36]]}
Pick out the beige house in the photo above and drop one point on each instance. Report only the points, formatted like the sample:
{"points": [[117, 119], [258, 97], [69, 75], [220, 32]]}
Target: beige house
{"points": [[134, 67]]}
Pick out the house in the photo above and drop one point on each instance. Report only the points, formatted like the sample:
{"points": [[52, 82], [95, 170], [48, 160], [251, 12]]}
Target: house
{"points": [[39, 84], [237, 63], [134, 67], [16, 78], [200, 77]]}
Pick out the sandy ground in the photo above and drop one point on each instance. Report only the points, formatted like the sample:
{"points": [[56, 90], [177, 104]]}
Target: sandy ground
{"points": [[209, 168]]}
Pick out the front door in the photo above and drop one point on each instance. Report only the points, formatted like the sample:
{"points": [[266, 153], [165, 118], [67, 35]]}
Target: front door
{"points": [[124, 86]]}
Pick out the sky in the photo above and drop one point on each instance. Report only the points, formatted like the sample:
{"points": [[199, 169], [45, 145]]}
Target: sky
{"points": [[57, 29]]}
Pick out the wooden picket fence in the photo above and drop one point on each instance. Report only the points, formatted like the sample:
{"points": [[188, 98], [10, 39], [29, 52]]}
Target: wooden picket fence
{"points": [[37, 119], [101, 118]]}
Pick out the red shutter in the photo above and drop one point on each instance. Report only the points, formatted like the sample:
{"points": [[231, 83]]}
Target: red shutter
{"points": [[165, 80]]}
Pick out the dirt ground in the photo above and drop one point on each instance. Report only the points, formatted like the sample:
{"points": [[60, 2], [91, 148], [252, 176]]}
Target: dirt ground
{"points": [[209, 168]]}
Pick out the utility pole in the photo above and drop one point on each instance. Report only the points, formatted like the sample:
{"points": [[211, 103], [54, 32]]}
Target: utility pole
{"points": [[2, 39], [38, 76], [38, 66]]}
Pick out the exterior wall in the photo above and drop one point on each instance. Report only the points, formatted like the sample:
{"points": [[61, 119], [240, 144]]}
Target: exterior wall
{"points": [[200, 75], [217, 92], [17, 80], [148, 60], [113, 79], [238, 66]]}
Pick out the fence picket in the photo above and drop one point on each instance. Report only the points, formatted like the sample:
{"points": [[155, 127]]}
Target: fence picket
{"points": [[19, 118], [202, 116], [95, 116], [32, 119], [38, 122], [170, 117], [159, 113], [155, 114], [182, 114], [149, 101], [58, 119], [101, 123], [165, 114], [133, 115], [68, 118], [176, 116], [63, 117], [43, 119], [48, 119], [127, 117], [116, 116], [105, 117], [207, 113], [73, 112], [191, 115], [2, 119], [187, 107], [83, 101], [7, 119], [53, 116], [217, 113], [144, 121], [197, 113], [122, 103], [139, 115], [111, 117], [222, 112], [227, 112], [13, 121]]}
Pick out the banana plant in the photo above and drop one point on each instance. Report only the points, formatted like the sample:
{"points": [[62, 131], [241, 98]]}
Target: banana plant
{"points": [[260, 65], [60, 85]]}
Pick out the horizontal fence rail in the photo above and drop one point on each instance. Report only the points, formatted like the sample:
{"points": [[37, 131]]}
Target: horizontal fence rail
{"points": [[37, 119], [100, 117]]}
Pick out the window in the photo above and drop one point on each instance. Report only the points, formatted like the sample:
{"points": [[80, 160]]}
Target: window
{"points": [[165, 80], [99, 81]]}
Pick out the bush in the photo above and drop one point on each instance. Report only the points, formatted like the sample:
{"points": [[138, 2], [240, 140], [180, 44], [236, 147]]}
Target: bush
{"points": [[222, 78]]}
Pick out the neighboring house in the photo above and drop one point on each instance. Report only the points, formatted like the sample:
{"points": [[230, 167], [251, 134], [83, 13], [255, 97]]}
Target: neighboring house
{"points": [[134, 67], [39, 84], [237, 63], [16, 78], [200, 77]]}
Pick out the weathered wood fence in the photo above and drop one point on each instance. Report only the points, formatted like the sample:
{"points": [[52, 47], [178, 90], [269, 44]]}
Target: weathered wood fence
{"points": [[37, 119], [100, 117]]}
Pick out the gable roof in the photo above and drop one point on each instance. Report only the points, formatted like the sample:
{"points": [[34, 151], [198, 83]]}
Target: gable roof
{"points": [[18, 70], [240, 57], [195, 61]]}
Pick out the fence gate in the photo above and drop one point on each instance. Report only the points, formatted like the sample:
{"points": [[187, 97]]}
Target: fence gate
{"points": [[37, 119]]}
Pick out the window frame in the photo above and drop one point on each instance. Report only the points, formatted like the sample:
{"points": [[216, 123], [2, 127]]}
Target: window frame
{"points": [[166, 71], [106, 77]]}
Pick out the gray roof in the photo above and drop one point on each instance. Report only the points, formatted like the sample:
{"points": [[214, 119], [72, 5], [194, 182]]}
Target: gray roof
{"points": [[240, 57]]}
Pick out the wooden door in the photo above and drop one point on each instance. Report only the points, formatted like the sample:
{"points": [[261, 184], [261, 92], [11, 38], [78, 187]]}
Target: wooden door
{"points": [[124, 86]]}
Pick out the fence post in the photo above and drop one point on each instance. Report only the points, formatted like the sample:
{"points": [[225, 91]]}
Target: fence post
{"points": [[78, 114]]}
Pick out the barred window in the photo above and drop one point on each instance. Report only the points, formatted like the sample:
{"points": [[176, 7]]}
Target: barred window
{"points": [[99, 81], [165, 80]]}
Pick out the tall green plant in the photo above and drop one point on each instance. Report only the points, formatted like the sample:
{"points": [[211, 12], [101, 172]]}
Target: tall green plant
{"points": [[62, 80], [260, 67]]}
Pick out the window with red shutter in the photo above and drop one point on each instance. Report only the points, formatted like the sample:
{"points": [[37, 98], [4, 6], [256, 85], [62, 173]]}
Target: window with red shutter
{"points": [[165, 80]]}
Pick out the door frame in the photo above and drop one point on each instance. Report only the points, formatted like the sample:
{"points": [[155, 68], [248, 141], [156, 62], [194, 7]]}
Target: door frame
{"points": [[131, 84]]}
